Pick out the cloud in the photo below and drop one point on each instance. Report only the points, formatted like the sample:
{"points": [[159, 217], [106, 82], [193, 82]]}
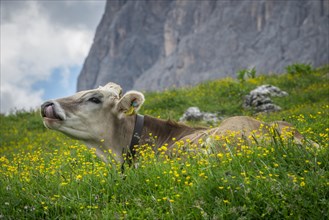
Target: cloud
{"points": [[33, 45], [68, 13]]}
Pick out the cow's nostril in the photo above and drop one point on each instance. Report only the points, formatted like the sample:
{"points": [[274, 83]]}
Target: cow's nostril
{"points": [[44, 107]]}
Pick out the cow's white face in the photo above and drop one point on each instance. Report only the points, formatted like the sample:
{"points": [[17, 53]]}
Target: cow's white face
{"points": [[91, 115]]}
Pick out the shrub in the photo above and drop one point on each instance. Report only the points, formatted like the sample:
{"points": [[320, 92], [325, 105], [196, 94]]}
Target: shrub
{"points": [[299, 69], [249, 73]]}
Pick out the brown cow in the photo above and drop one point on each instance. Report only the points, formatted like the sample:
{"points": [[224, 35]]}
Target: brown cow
{"points": [[107, 120]]}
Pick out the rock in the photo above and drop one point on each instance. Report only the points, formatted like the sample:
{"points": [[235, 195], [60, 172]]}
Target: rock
{"points": [[259, 99], [268, 90], [194, 114], [154, 45]]}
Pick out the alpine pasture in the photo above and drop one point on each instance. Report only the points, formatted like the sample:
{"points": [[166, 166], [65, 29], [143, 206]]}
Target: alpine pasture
{"points": [[45, 175]]}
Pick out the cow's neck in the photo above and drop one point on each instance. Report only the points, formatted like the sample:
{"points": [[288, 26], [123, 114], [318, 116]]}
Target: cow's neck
{"points": [[158, 132], [116, 140]]}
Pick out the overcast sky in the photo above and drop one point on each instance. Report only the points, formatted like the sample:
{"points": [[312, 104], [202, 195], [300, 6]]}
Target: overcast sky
{"points": [[43, 47]]}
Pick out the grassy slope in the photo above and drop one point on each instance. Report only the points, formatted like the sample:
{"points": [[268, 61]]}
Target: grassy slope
{"points": [[44, 174]]}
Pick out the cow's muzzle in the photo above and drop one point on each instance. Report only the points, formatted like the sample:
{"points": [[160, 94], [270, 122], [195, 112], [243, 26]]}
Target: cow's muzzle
{"points": [[51, 110]]}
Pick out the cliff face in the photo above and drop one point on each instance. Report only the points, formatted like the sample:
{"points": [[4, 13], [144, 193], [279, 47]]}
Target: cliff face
{"points": [[153, 45]]}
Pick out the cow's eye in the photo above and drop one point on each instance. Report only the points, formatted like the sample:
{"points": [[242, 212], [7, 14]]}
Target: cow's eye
{"points": [[94, 100]]}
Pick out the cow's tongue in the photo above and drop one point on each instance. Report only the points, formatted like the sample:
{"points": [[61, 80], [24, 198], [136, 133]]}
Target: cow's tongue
{"points": [[49, 111]]}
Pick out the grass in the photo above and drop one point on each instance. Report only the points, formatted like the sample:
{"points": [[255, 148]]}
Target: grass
{"points": [[45, 175]]}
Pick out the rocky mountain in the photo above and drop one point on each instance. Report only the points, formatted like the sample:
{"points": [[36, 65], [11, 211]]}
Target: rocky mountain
{"points": [[153, 45]]}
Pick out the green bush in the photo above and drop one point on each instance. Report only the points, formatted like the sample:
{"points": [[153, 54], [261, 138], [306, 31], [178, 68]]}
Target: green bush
{"points": [[246, 73], [299, 69]]}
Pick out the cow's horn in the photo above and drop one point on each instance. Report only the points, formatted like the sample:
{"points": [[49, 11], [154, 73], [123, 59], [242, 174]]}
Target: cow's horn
{"points": [[113, 86]]}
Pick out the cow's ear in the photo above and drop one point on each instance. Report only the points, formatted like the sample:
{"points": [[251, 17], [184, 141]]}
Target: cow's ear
{"points": [[130, 103]]}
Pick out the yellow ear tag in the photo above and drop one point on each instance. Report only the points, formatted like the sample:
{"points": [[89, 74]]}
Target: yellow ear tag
{"points": [[130, 111]]}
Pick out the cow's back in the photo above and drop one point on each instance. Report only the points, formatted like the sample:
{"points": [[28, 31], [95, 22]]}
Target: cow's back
{"points": [[238, 125], [244, 126], [241, 124]]}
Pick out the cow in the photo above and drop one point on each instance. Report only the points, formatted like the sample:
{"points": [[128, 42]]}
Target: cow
{"points": [[107, 120]]}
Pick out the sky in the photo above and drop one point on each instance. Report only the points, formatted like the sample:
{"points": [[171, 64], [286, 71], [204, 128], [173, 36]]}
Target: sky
{"points": [[43, 47]]}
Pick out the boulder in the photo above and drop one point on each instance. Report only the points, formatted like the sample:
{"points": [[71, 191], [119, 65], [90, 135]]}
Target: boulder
{"points": [[194, 114], [260, 100]]}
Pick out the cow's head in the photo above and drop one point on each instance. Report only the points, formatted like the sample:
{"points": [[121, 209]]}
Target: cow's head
{"points": [[93, 115]]}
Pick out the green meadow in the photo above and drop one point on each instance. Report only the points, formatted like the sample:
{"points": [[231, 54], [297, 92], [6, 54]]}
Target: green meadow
{"points": [[46, 175]]}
